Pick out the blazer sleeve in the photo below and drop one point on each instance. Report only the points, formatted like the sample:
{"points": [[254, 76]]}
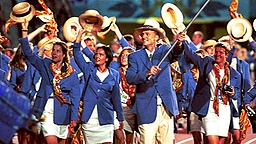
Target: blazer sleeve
{"points": [[133, 75], [12, 82], [75, 96], [250, 95], [88, 53], [35, 60], [116, 98], [79, 59]]}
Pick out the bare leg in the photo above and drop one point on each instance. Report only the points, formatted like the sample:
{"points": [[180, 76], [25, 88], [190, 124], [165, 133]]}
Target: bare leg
{"points": [[236, 137], [120, 136], [228, 139], [205, 139], [213, 139], [51, 139], [129, 138], [222, 140], [197, 137]]}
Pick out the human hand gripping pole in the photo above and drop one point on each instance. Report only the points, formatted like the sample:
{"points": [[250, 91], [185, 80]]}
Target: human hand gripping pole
{"points": [[184, 31]]}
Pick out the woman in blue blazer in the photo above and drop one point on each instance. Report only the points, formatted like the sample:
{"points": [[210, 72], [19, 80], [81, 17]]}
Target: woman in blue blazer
{"points": [[58, 98], [211, 102], [101, 97]]}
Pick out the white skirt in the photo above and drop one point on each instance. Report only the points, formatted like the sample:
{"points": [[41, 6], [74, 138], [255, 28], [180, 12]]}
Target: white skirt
{"points": [[96, 133], [217, 125], [48, 127]]}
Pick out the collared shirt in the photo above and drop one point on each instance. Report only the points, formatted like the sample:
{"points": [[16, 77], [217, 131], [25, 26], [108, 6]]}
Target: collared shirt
{"points": [[149, 53]]}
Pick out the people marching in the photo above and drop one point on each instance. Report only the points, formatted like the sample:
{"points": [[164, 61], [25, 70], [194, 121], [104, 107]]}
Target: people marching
{"points": [[135, 89]]}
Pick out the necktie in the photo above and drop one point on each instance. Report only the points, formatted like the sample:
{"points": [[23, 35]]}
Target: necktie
{"points": [[150, 57]]}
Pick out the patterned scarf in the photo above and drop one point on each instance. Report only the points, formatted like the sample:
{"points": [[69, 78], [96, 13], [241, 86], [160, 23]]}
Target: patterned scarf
{"points": [[219, 86], [56, 81], [128, 89], [244, 123]]}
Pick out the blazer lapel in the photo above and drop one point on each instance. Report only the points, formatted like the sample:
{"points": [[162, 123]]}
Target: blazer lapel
{"points": [[145, 59]]}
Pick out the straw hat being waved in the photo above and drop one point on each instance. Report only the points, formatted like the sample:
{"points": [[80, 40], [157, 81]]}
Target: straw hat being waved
{"points": [[107, 24], [22, 11], [254, 24], [71, 28], [171, 15], [91, 19], [148, 25], [239, 29]]}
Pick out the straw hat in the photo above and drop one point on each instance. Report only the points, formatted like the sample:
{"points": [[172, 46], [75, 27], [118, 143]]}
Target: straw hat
{"points": [[22, 11], [171, 15], [225, 38], [254, 24], [239, 29], [208, 43], [106, 26], [148, 25], [91, 17], [46, 44], [71, 28]]}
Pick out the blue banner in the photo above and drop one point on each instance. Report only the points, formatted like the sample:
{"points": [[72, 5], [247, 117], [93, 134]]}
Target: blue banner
{"points": [[136, 10]]}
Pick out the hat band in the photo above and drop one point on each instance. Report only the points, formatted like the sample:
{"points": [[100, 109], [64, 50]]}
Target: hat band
{"points": [[147, 26], [239, 37], [106, 28], [24, 14]]}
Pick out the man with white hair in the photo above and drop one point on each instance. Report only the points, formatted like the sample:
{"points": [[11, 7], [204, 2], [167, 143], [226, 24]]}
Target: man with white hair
{"points": [[155, 101]]}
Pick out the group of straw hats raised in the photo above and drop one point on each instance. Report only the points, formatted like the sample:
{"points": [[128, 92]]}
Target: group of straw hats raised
{"points": [[239, 29], [90, 19]]}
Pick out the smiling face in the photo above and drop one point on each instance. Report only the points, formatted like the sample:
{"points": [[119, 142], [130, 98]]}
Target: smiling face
{"points": [[57, 54], [220, 55], [100, 57], [149, 38]]}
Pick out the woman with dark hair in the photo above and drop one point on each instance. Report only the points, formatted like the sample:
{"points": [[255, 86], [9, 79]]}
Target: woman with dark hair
{"points": [[58, 98], [101, 96]]}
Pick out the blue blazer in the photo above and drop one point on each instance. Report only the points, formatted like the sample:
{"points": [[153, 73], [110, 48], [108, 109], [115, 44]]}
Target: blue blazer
{"points": [[243, 68], [63, 114], [188, 89], [28, 78], [106, 94], [250, 95], [146, 90], [201, 100]]}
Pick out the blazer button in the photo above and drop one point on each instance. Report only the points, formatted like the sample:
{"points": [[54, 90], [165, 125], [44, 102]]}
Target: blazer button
{"points": [[98, 90]]}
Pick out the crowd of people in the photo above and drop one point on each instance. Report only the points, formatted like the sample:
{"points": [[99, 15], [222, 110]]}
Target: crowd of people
{"points": [[134, 89]]}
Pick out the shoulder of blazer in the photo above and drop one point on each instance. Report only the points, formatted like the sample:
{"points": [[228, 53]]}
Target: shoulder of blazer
{"points": [[114, 73]]}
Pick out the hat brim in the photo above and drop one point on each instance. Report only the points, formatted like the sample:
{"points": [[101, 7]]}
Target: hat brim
{"points": [[254, 24], [171, 15], [27, 17], [105, 30], [71, 28], [138, 31], [85, 19], [246, 23]]}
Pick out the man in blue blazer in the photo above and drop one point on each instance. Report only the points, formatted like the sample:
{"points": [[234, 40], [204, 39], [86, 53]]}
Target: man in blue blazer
{"points": [[212, 102], [155, 102]]}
